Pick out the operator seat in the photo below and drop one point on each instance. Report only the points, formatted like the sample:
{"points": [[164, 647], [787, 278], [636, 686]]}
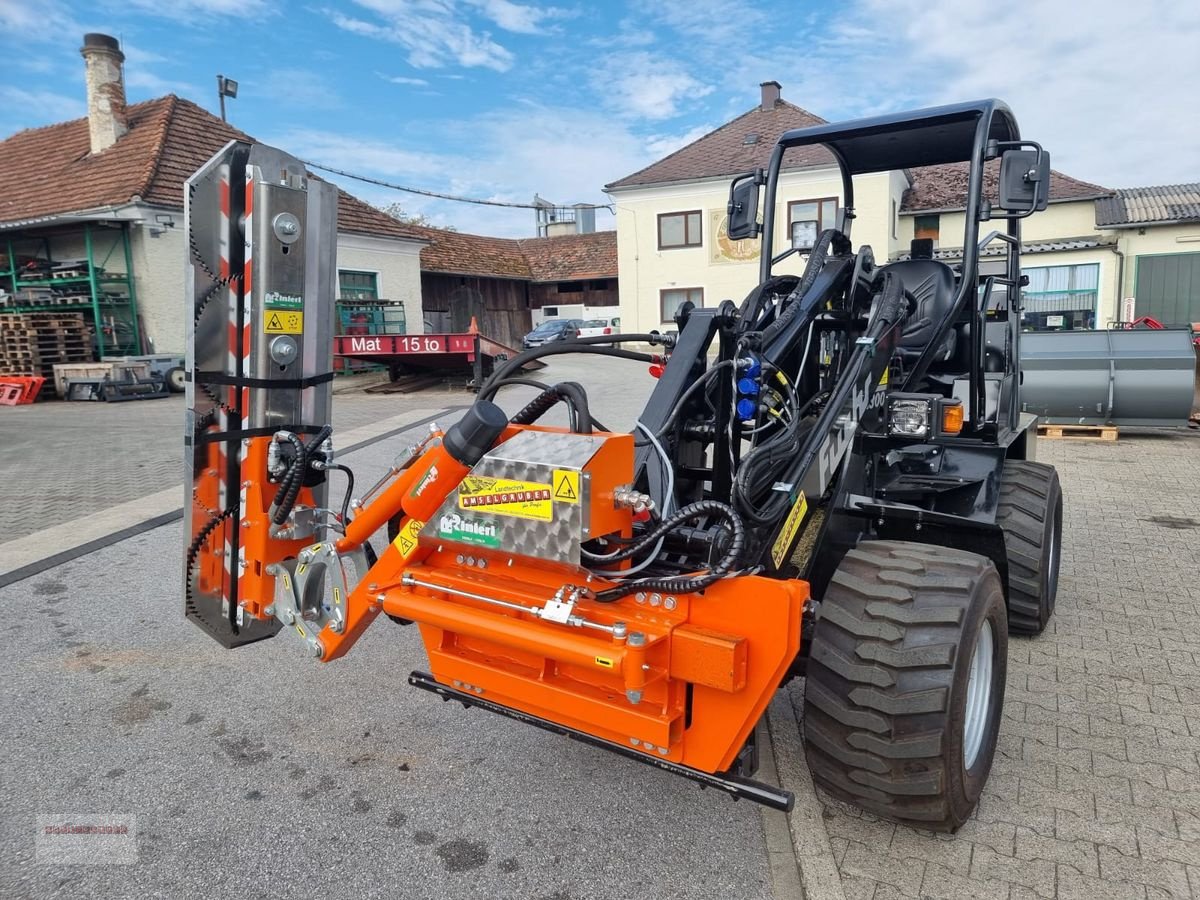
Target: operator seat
{"points": [[932, 284]]}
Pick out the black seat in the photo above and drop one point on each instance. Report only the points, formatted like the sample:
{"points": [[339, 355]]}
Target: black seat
{"points": [[932, 284]]}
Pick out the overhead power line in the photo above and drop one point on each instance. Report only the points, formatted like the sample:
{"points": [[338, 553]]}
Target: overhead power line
{"points": [[441, 196]]}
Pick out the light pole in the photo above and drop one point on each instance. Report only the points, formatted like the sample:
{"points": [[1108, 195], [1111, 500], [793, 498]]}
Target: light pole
{"points": [[226, 87]]}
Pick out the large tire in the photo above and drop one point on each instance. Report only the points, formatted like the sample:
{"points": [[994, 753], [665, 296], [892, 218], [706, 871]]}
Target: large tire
{"points": [[1030, 513], [889, 679]]}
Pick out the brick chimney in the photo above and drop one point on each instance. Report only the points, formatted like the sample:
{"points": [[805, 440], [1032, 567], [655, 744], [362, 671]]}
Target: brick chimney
{"points": [[107, 119], [770, 94]]}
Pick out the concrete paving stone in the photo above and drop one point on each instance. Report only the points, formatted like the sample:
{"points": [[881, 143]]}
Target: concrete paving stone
{"points": [[1171, 750], [1037, 796], [943, 884], [858, 888], [950, 851], [999, 836], [1162, 873], [1151, 808], [1072, 738], [1150, 773], [1073, 886], [1035, 874], [877, 864], [862, 828], [1079, 854], [1153, 845]]}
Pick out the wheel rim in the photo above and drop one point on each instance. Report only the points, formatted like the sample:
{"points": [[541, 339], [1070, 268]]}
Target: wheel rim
{"points": [[1052, 563], [979, 694]]}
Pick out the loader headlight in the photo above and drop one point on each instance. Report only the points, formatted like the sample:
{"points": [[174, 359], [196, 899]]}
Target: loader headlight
{"points": [[909, 418]]}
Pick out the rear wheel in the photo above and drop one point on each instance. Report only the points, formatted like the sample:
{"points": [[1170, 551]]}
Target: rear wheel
{"points": [[906, 682], [1030, 513], [176, 380]]}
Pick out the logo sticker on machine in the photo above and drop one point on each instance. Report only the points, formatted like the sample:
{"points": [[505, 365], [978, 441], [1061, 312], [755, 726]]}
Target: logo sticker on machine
{"points": [[406, 540], [566, 486], [466, 531], [277, 322], [788, 534], [276, 300], [505, 497]]}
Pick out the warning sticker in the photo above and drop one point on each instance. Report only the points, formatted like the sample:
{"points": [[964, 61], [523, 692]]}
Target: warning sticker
{"points": [[278, 322], [604, 661], [504, 497], [406, 540], [791, 525], [566, 486]]}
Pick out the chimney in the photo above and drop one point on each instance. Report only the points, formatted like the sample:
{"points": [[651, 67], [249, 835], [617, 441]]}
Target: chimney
{"points": [[770, 94], [107, 120]]}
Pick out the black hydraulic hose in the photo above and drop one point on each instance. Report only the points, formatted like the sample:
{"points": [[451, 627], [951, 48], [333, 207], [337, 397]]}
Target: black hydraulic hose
{"points": [[579, 345], [286, 481], [294, 479], [568, 391], [681, 584]]}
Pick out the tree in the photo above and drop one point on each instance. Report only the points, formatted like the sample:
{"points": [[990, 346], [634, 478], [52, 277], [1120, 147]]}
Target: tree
{"points": [[397, 212]]}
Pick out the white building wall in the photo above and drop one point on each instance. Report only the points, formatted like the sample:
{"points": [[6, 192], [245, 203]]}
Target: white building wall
{"points": [[397, 267]]}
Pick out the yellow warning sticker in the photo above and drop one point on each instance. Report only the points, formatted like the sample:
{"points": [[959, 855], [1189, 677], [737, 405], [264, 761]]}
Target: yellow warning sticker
{"points": [[604, 661], [886, 376], [566, 486], [790, 526], [505, 497], [283, 322], [406, 540]]}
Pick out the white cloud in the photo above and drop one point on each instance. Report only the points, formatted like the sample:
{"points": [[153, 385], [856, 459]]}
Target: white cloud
{"points": [[39, 106], [1110, 94], [404, 79], [646, 86], [660, 145], [518, 17], [432, 31], [197, 11]]}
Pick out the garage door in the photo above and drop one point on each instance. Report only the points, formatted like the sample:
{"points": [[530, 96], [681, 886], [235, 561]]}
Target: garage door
{"points": [[1168, 288]]}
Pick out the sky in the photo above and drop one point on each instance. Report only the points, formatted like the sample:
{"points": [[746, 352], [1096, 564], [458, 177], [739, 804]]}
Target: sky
{"points": [[501, 99]]}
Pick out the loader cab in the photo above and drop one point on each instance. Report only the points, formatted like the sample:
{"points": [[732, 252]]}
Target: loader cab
{"points": [[960, 340]]}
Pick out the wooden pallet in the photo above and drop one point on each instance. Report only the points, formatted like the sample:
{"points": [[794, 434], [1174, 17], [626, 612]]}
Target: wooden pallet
{"points": [[1078, 432]]}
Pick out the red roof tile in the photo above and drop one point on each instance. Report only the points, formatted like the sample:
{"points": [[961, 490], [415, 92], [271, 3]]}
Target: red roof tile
{"points": [[726, 151], [49, 171], [566, 258], [945, 187]]}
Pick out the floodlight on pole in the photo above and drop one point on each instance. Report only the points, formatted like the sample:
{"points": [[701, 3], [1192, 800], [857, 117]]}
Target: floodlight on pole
{"points": [[226, 87]]}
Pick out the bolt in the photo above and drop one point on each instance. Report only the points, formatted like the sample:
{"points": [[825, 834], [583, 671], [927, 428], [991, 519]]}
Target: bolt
{"points": [[670, 603], [619, 630], [317, 650], [288, 227], [460, 559], [379, 598], [640, 597], [635, 741], [481, 563], [372, 587], [289, 617], [470, 561], [335, 626], [245, 523], [270, 610], [662, 751], [649, 747], [637, 639], [655, 599], [634, 697]]}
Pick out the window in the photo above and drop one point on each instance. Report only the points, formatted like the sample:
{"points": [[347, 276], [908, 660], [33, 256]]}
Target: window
{"points": [[1061, 298], [570, 287], [358, 285], [926, 227], [823, 211], [673, 298], [679, 230]]}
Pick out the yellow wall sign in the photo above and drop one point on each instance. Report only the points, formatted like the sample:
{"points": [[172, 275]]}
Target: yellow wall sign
{"points": [[406, 540], [790, 526], [566, 486], [505, 497], [278, 321]]}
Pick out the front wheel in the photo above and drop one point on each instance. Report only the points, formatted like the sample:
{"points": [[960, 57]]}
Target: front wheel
{"points": [[906, 682], [1030, 513]]}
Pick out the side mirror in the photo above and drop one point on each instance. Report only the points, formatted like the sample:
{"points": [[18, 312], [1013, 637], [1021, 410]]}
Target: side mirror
{"points": [[1024, 181], [743, 206]]}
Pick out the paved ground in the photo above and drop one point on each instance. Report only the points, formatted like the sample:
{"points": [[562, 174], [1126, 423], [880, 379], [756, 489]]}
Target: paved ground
{"points": [[258, 771], [1095, 791], [59, 461]]}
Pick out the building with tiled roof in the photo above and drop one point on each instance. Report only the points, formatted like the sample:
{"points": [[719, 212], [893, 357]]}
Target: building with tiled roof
{"points": [[1084, 252], [114, 181], [507, 283]]}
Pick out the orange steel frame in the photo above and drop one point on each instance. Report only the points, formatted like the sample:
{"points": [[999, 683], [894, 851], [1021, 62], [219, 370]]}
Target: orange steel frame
{"points": [[705, 671]]}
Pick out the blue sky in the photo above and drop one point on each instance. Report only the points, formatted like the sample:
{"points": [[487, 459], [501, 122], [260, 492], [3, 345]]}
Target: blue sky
{"points": [[502, 98]]}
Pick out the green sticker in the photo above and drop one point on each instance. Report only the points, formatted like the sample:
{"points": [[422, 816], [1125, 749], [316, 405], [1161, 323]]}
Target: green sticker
{"points": [[468, 531], [276, 300]]}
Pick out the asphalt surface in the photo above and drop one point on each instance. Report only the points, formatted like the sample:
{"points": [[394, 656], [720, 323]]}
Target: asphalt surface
{"points": [[262, 773]]}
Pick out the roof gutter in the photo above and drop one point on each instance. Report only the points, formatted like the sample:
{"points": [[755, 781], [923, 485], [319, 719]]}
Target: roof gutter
{"points": [[954, 209], [1154, 224], [125, 212]]}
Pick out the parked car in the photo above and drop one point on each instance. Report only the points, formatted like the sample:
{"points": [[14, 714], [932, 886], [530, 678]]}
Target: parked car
{"points": [[552, 330], [596, 327]]}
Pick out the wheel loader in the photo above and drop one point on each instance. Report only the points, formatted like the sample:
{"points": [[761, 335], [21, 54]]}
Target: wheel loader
{"points": [[831, 480]]}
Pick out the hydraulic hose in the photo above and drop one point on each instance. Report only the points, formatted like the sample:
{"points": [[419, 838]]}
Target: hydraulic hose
{"points": [[568, 391], [289, 488], [816, 261], [686, 583], [579, 345]]}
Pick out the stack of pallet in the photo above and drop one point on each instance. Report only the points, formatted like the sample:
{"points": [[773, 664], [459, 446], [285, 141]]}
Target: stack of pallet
{"points": [[31, 343]]}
